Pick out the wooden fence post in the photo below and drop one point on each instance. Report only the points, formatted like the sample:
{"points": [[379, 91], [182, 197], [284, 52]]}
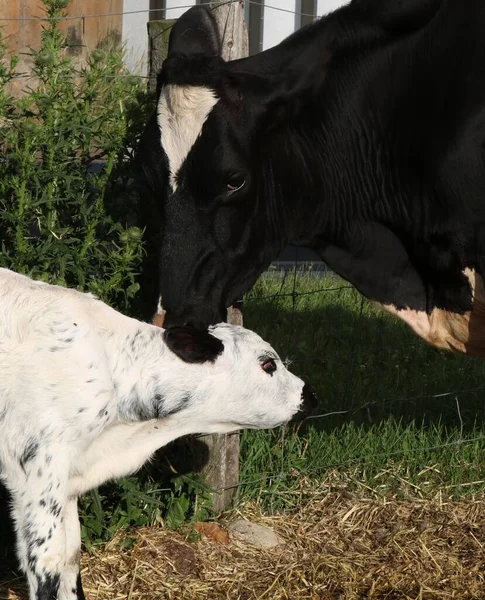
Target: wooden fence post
{"points": [[158, 36], [222, 469], [232, 28]]}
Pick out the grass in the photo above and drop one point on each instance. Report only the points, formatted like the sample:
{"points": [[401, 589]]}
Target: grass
{"points": [[397, 416]]}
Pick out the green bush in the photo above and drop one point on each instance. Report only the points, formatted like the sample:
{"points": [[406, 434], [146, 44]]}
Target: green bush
{"points": [[67, 191]]}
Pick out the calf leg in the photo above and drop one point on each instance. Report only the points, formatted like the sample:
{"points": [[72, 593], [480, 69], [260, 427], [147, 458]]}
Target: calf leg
{"points": [[39, 493], [125, 448], [70, 586]]}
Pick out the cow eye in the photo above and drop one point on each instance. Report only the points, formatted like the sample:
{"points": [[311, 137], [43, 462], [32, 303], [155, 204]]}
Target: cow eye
{"points": [[269, 366], [235, 183]]}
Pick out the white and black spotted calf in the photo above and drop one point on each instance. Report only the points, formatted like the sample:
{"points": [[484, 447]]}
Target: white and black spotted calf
{"points": [[88, 395]]}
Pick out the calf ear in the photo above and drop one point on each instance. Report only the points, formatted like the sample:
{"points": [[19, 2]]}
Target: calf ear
{"points": [[193, 345], [195, 32]]}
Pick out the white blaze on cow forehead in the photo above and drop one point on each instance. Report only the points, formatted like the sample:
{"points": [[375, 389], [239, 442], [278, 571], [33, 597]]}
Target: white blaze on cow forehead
{"points": [[182, 112]]}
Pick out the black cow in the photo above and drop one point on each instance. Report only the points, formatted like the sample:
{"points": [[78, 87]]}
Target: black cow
{"points": [[361, 136]]}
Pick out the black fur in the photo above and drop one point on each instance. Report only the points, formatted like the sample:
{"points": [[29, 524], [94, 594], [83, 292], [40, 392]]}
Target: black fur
{"points": [[48, 587], [193, 345], [79, 588]]}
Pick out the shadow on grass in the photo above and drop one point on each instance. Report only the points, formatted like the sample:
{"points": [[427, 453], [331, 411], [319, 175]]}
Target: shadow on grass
{"points": [[369, 366]]}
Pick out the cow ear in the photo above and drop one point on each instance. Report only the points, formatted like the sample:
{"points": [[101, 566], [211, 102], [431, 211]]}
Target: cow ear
{"points": [[195, 32], [193, 345]]}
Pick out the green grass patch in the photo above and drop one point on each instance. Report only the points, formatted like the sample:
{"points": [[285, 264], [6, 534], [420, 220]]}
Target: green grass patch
{"points": [[394, 414]]}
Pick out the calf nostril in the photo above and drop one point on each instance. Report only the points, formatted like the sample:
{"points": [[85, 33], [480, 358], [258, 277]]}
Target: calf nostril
{"points": [[308, 403], [309, 397]]}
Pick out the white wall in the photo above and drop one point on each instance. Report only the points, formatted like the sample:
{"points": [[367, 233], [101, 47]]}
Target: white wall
{"points": [[135, 36], [176, 8], [277, 24]]}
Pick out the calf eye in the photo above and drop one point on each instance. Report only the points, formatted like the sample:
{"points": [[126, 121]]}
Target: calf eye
{"points": [[235, 183], [269, 366]]}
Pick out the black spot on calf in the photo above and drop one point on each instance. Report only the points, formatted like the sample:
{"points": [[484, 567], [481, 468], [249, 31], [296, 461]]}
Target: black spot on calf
{"points": [[29, 453], [47, 587], [79, 589], [102, 412]]}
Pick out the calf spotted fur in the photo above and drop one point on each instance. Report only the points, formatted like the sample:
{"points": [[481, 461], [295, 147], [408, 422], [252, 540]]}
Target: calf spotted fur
{"points": [[88, 395]]}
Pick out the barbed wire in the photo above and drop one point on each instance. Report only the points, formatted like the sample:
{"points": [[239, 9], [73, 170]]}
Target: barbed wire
{"points": [[149, 11], [296, 294], [108, 14], [387, 402], [285, 10], [401, 399], [79, 75]]}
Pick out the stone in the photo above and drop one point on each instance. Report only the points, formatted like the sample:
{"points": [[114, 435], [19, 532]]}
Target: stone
{"points": [[254, 534]]}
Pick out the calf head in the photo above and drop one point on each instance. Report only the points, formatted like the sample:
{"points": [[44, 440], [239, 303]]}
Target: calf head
{"points": [[240, 381], [209, 154]]}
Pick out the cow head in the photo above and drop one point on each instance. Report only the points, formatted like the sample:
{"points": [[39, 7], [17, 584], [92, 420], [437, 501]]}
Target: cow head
{"points": [[203, 154]]}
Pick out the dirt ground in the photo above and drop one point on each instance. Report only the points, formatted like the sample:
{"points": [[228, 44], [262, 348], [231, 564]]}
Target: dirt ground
{"points": [[336, 547]]}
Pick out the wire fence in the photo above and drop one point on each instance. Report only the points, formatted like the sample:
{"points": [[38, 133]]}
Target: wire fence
{"points": [[150, 11], [82, 17], [452, 400], [363, 459]]}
